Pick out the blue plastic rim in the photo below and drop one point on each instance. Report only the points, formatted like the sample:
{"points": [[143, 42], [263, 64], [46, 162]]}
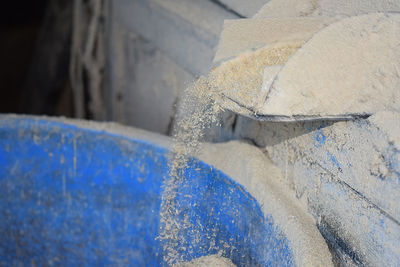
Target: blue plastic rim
{"points": [[74, 196]]}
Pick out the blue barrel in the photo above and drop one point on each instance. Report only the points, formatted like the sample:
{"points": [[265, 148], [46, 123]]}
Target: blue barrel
{"points": [[75, 195]]}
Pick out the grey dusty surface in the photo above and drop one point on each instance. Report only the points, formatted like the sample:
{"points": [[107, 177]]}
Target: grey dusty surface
{"points": [[244, 8], [239, 36], [156, 50], [347, 174]]}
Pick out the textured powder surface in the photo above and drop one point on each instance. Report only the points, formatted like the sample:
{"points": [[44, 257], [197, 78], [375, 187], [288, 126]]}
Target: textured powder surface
{"points": [[208, 261], [243, 35], [355, 7], [240, 79], [345, 70], [287, 8], [301, 8], [388, 122], [349, 67]]}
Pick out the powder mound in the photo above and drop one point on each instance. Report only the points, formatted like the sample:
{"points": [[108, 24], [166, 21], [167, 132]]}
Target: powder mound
{"points": [[208, 261], [240, 79]]}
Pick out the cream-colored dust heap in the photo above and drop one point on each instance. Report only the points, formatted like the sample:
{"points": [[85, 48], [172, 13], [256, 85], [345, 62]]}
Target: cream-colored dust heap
{"points": [[208, 261]]}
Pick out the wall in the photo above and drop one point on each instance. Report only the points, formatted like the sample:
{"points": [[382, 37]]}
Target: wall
{"points": [[157, 48]]}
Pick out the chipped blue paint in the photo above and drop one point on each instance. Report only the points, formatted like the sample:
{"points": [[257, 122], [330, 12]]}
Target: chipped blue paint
{"points": [[319, 138], [80, 197], [333, 159]]}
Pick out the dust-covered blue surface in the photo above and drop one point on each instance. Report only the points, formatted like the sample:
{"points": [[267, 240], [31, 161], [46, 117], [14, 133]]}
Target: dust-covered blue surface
{"points": [[78, 197]]}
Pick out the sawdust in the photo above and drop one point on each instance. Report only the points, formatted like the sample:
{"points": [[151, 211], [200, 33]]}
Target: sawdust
{"points": [[199, 110], [241, 79], [208, 261]]}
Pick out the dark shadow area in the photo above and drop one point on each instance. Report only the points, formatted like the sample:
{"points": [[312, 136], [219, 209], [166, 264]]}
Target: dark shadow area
{"points": [[19, 26], [34, 52], [342, 254], [264, 133]]}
